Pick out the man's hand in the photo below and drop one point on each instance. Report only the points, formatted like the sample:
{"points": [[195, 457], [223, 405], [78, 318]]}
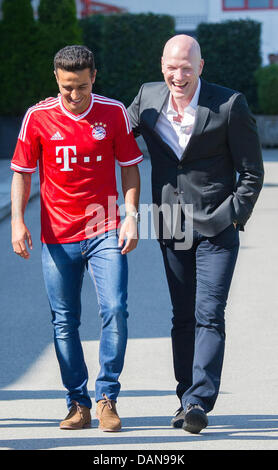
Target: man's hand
{"points": [[20, 191], [21, 235], [128, 231]]}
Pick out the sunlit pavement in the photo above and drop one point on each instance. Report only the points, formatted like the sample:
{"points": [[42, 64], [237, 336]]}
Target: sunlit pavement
{"points": [[245, 415]]}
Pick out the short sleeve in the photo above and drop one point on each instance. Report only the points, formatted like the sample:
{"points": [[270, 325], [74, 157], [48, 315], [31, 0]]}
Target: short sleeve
{"points": [[28, 148]]}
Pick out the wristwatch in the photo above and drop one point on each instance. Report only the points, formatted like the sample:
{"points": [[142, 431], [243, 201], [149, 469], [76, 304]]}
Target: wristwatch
{"points": [[134, 214]]}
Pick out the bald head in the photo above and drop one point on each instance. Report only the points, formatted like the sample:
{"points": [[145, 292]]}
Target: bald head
{"points": [[182, 42], [182, 65]]}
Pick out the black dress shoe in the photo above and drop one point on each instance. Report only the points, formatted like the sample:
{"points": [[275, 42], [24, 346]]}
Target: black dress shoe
{"points": [[195, 419], [178, 419]]}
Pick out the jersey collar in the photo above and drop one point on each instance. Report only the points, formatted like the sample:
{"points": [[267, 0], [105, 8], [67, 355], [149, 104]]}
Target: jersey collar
{"points": [[76, 117]]}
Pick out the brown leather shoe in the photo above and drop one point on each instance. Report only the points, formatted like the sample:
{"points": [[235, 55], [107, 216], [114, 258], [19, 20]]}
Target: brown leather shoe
{"points": [[107, 415], [79, 417]]}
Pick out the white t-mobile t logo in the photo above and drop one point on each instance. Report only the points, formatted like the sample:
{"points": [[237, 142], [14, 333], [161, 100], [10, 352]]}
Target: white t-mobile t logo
{"points": [[66, 158]]}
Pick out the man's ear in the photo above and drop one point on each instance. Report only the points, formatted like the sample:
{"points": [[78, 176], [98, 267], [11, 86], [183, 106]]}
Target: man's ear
{"points": [[162, 64], [202, 63], [94, 76], [56, 76]]}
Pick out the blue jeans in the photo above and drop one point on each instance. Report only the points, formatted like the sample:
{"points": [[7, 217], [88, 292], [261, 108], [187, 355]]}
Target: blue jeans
{"points": [[63, 270]]}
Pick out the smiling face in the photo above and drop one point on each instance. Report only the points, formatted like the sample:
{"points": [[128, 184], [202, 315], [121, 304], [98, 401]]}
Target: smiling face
{"points": [[181, 66], [75, 88]]}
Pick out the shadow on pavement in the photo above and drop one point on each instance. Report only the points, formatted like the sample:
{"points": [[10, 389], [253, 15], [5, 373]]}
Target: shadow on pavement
{"points": [[226, 427]]}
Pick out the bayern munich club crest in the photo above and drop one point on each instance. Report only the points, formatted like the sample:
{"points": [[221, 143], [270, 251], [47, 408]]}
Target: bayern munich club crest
{"points": [[99, 131]]}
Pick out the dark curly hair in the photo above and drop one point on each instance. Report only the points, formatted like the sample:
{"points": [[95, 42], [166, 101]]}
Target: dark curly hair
{"points": [[72, 58]]}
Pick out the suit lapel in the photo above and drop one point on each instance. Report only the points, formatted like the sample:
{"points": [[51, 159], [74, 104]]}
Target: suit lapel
{"points": [[202, 114], [155, 109]]}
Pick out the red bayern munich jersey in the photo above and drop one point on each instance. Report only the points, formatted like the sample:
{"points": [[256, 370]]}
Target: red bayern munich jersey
{"points": [[76, 155]]}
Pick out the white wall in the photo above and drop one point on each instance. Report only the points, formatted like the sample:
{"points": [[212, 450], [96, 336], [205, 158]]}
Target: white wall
{"points": [[171, 7], [268, 18], [188, 13]]}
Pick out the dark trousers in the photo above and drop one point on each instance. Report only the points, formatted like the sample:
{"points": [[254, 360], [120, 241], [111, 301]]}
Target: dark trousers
{"points": [[199, 280]]}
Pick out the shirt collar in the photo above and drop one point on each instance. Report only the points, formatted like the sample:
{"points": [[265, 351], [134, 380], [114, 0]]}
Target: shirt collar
{"points": [[191, 108]]}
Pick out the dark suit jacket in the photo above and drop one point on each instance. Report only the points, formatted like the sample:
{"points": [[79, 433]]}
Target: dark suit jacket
{"points": [[224, 144]]}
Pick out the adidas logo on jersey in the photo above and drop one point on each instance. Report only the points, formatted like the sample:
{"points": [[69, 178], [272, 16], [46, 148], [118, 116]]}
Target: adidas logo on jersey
{"points": [[57, 136]]}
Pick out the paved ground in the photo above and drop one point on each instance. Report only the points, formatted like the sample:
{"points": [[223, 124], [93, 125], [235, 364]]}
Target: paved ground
{"points": [[32, 398]]}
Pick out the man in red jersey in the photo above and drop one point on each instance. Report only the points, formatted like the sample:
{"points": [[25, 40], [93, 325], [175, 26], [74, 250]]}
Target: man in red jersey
{"points": [[76, 139]]}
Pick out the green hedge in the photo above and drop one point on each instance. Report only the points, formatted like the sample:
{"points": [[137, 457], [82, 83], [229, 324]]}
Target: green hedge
{"points": [[128, 49], [28, 47], [92, 34], [131, 52], [232, 55], [58, 27], [267, 81], [17, 59]]}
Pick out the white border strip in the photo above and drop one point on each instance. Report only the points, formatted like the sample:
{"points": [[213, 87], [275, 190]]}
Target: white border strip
{"points": [[131, 162], [20, 168]]}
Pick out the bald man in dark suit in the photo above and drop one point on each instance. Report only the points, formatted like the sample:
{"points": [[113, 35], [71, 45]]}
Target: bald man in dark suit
{"points": [[205, 155]]}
